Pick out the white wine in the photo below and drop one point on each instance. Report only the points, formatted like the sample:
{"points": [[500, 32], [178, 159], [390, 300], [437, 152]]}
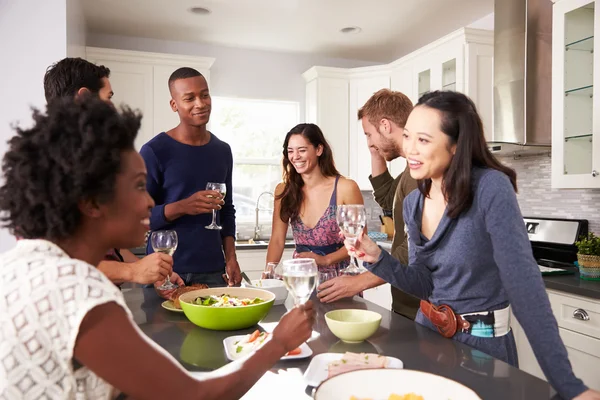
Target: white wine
{"points": [[165, 250], [351, 230], [300, 285]]}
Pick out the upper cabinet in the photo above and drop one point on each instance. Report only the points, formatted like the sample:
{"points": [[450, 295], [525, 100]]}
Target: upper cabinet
{"points": [[575, 103], [140, 80], [327, 94], [462, 61]]}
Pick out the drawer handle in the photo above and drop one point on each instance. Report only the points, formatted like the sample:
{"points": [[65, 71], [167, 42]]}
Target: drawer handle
{"points": [[581, 315]]}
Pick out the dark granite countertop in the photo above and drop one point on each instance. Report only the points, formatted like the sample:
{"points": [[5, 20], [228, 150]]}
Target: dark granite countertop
{"points": [[419, 348], [572, 284]]}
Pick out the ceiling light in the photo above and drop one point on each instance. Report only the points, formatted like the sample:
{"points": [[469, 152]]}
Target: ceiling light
{"points": [[199, 10], [351, 30]]}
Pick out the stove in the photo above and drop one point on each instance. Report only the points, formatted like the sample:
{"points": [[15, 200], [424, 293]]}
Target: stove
{"points": [[553, 243]]}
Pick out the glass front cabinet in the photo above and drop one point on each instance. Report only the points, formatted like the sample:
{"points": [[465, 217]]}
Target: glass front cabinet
{"points": [[575, 103]]}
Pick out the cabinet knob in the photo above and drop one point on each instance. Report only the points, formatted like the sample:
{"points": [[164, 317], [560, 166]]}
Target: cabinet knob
{"points": [[594, 173], [581, 315]]}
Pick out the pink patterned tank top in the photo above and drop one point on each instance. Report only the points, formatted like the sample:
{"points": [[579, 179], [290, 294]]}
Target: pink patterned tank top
{"points": [[324, 238]]}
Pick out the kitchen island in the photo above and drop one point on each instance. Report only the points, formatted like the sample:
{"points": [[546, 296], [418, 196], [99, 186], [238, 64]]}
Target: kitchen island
{"points": [[419, 348]]}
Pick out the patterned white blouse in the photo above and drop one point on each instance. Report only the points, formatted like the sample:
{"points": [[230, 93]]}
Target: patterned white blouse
{"points": [[44, 296]]}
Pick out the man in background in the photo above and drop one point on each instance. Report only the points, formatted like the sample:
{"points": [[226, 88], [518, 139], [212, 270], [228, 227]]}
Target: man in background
{"points": [[76, 77], [383, 118]]}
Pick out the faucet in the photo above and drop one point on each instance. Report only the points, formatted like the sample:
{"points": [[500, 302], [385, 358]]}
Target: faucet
{"points": [[256, 225]]}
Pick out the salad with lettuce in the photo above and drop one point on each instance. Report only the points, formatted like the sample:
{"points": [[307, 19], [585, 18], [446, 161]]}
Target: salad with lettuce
{"points": [[226, 300]]}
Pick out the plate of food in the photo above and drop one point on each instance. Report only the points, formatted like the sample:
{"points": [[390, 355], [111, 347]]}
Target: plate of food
{"points": [[392, 384], [241, 345], [170, 305], [173, 304], [328, 365]]}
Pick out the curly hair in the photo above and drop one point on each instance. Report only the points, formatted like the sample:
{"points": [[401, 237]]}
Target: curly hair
{"points": [[72, 153], [65, 77]]}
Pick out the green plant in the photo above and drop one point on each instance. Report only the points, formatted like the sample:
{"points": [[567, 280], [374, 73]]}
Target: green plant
{"points": [[589, 245]]}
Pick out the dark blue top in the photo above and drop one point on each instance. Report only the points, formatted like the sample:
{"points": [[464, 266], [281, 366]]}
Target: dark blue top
{"points": [[482, 261], [175, 172]]}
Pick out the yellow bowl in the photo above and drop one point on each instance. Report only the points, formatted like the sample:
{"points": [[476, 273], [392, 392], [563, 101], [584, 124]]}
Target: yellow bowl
{"points": [[353, 326]]}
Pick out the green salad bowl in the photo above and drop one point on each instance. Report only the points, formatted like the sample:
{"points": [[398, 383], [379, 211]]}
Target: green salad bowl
{"points": [[226, 318]]}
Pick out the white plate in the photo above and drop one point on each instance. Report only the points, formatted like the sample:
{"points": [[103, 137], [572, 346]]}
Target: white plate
{"points": [[228, 343], [384, 382], [318, 368]]}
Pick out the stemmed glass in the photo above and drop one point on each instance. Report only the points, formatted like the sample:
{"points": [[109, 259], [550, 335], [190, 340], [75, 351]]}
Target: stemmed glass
{"points": [[222, 189], [300, 278], [165, 242], [272, 271], [351, 219]]}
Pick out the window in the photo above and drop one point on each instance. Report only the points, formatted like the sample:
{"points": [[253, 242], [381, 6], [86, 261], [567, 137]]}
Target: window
{"points": [[255, 130]]}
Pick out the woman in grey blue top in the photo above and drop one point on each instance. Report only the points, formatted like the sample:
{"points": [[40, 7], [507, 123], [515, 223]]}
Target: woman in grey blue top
{"points": [[468, 247]]}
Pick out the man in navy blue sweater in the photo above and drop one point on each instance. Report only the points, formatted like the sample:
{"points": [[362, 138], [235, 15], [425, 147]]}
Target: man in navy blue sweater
{"points": [[180, 162]]}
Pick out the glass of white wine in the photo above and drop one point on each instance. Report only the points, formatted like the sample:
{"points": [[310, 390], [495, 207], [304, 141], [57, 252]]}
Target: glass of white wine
{"points": [[351, 219], [165, 242], [300, 278], [222, 189]]}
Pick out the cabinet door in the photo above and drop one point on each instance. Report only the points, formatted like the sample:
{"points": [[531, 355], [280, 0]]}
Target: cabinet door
{"points": [[360, 157], [133, 86], [380, 295], [584, 354], [575, 107]]}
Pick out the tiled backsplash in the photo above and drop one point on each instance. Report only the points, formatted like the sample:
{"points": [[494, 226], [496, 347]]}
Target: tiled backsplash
{"points": [[536, 197], [373, 211]]}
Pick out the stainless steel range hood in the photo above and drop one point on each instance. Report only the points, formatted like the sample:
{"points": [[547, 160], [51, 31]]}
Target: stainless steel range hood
{"points": [[522, 75]]}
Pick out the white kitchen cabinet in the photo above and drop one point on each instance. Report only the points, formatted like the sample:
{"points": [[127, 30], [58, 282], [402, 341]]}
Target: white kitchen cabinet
{"points": [[380, 295], [461, 61], [327, 106], [575, 100], [140, 80], [253, 261], [580, 336]]}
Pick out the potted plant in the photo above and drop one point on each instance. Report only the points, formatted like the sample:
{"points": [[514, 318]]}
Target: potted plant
{"points": [[588, 256]]}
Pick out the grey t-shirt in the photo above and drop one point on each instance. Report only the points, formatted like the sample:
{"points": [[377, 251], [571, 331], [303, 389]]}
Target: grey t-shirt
{"points": [[482, 261]]}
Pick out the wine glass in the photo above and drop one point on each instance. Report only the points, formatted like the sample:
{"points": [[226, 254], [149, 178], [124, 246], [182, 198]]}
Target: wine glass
{"points": [[300, 278], [325, 275], [351, 219], [165, 242], [222, 189], [272, 271]]}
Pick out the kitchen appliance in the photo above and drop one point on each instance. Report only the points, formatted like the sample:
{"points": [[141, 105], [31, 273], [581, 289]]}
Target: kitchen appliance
{"points": [[522, 76], [553, 243]]}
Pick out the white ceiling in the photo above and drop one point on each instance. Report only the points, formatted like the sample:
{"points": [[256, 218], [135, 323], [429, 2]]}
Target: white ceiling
{"points": [[390, 28]]}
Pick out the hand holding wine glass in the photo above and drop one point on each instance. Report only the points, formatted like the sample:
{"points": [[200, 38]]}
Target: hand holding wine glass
{"points": [[165, 242], [351, 219], [221, 188], [300, 278], [363, 247]]}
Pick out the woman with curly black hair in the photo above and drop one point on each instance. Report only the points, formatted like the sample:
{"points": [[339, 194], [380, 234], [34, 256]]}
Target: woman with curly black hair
{"points": [[75, 187]]}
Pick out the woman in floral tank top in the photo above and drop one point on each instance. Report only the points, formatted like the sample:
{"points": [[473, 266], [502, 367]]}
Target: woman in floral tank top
{"points": [[307, 199]]}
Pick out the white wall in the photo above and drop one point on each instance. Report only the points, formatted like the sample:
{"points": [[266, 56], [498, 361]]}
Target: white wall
{"points": [[32, 36], [76, 29], [238, 72]]}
